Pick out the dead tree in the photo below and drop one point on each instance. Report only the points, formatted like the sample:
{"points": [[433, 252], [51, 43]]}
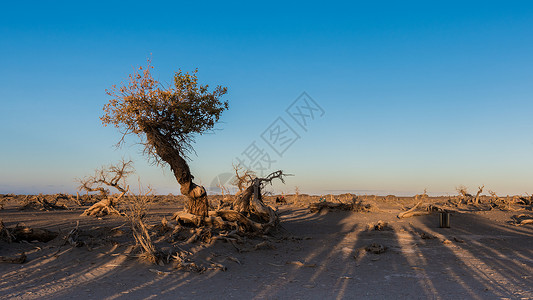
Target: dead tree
{"points": [[243, 177], [247, 214], [106, 177], [137, 210], [42, 203], [497, 202], [464, 196], [478, 194], [250, 201], [166, 119]]}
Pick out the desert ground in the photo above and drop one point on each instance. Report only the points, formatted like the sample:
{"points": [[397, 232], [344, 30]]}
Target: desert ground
{"points": [[326, 254]]}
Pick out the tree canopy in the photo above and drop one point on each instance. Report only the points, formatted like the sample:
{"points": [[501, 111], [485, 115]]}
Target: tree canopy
{"points": [[174, 113]]}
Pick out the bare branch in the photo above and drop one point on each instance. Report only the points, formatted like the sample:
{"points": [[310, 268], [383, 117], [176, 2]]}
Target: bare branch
{"points": [[107, 176]]}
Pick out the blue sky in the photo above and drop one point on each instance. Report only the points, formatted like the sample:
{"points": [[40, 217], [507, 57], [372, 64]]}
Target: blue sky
{"points": [[415, 95]]}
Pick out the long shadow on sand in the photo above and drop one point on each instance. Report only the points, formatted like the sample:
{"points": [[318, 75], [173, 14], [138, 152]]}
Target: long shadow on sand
{"points": [[321, 257]]}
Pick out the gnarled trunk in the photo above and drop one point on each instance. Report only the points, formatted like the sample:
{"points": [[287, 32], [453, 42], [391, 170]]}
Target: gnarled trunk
{"points": [[250, 201], [196, 194]]}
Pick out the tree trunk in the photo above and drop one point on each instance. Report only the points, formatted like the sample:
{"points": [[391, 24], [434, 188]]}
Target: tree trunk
{"points": [[196, 194], [250, 202]]}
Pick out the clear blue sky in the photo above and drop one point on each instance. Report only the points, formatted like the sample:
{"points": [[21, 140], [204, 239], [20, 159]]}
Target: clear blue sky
{"points": [[415, 95]]}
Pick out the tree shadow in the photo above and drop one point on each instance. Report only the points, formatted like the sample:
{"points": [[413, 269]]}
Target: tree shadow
{"points": [[319, 256]]}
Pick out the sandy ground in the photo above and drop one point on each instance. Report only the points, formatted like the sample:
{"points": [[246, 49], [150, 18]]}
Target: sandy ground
{"points": [[318, 256]]}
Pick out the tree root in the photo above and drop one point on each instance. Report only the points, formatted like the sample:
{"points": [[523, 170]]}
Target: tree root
{"points": [[222, 219], [248, 213]]}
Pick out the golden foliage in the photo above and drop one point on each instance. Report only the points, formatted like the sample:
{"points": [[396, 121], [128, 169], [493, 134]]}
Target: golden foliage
{"points": [[176, 112]]}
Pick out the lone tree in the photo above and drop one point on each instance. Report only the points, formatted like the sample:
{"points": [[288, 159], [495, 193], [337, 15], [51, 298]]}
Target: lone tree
{"points": [[167, 118]]}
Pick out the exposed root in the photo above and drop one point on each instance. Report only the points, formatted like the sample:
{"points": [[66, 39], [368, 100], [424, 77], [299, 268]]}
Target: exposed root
{"points": [[244, 224], [246, 215]]}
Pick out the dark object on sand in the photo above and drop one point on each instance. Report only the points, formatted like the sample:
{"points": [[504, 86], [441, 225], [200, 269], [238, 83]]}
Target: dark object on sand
{"points": [[444, 220]]}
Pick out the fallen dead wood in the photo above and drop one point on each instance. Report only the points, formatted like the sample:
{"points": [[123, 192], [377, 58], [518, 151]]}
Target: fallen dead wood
{"points": [[24, 233], [379, 226], [319, 206], [33, 234], [164, 273], [427, 236], [265, 245], [41, 202], [421, 209], [104, 207], [137, 210], [183, 263], [5, 234], [301, 264], [72, 237], [246, 215], [356, 206], [4, 199], [109, 176], [521, 220], [14, 260], [375, 248]]}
